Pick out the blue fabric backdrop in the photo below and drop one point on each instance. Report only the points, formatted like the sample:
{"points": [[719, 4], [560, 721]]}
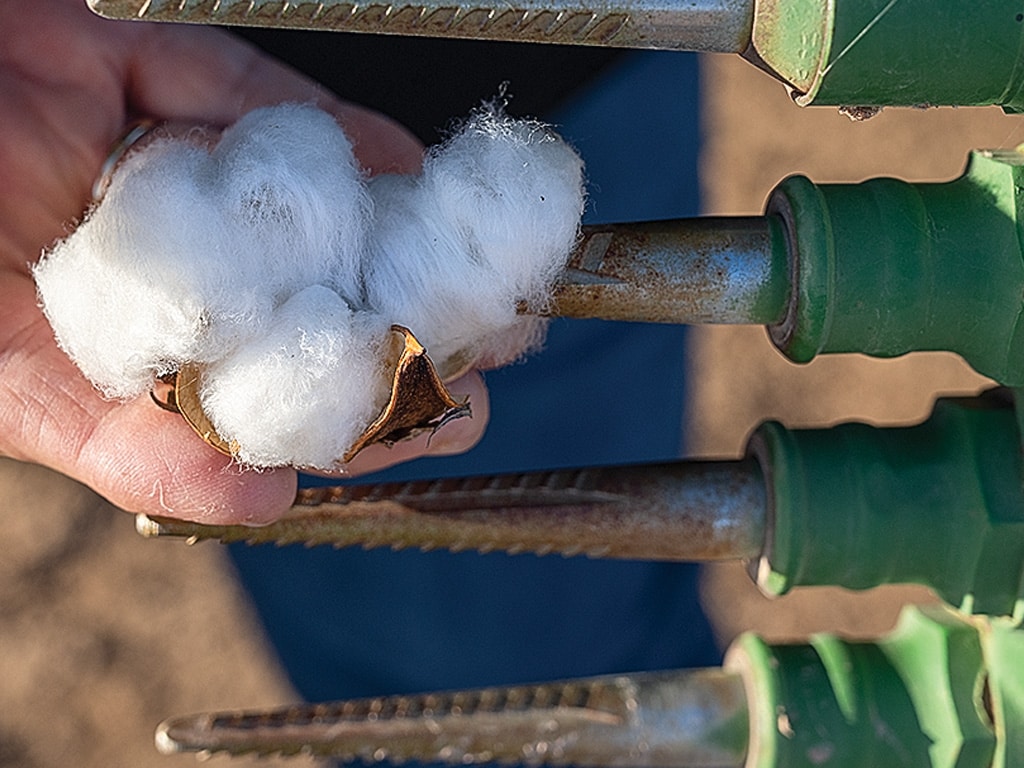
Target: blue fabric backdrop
{"points": [[353, 623]]}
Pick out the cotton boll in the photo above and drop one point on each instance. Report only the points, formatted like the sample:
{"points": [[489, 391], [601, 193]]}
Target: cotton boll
{"points": [[274, 267], [304, 390], [289, 183], [144, 284]]}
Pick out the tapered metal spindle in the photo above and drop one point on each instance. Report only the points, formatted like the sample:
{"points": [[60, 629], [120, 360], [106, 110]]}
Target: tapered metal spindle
{"points": [[724, 270], [722, 26], [684, 511], [683, 718]]}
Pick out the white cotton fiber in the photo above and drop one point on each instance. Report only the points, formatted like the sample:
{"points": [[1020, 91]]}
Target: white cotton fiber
{"points": [[516, 190], [191, 249], [290, 185], [304, 390], [267, 258], [488, 224], [149, 280]]}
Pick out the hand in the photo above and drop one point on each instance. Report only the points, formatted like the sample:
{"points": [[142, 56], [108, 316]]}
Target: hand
{"points": [[69, 83]]}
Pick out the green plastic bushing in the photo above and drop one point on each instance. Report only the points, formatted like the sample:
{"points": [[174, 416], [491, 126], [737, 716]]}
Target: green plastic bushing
{"points": [[894, 52], [919, 697], [939, 504], [886, 267]]}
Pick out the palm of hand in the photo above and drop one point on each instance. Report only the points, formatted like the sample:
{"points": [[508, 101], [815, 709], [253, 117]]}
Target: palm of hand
{"points": [[68, 84]]}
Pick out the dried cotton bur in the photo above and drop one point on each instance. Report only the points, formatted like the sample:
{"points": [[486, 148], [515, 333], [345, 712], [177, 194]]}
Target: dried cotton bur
{"points": [[287, 303]]}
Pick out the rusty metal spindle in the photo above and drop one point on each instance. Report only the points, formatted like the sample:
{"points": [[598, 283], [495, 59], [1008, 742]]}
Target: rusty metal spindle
{"points": [[681, 718], [687, 271], [683, 511], [722, 26]]}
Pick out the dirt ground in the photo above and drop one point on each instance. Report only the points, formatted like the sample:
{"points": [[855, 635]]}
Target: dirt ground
{"points": [[103, 634]]}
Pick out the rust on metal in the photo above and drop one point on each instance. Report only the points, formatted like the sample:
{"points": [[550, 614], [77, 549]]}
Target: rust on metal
{"points": [[702, 270], [683, 511], [622, 720], [722, 26]]}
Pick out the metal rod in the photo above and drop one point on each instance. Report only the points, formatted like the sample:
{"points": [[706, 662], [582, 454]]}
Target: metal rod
{"points": [[688, 271], [722, 26], [685, 511], [682, 718]]}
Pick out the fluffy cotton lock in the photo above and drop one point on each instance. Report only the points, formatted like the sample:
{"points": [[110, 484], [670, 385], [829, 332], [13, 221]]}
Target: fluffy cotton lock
{"points": [[148, 281], [487, 225], [191, 249], [267, 258], [304, 390], [290, 186]]}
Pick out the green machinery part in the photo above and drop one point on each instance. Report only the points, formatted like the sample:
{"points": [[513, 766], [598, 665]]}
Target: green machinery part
{"points": [[939, 504], [894, 52], [886, 267], [942, 690]]}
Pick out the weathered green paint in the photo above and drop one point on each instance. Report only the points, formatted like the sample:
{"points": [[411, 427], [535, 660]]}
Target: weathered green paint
{"points": [[939, 504], [887, 267], [895, 52], [914, 698]]}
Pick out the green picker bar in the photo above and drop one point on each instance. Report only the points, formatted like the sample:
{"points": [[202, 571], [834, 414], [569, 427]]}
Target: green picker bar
{"points": [[860, 53]]}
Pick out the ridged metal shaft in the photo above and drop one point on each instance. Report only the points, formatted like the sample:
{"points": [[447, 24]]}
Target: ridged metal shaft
{"points": [[685, 271], [684, 511], [684, 718], [722, 26]]}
